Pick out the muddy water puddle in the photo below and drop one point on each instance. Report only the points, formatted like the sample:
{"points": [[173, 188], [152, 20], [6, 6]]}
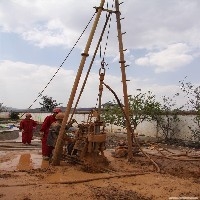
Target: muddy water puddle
{"points": [[10, 161], [27, 160]]}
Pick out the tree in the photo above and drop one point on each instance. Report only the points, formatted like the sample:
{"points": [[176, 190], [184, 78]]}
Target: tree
{"points": [[192, 93], [111, 113], [167, 119], [2, 108], [142, 107], [14, 115], [48, 104]]}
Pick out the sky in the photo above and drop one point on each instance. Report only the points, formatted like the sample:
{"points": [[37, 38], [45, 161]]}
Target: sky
{"points": [[161, 47]]}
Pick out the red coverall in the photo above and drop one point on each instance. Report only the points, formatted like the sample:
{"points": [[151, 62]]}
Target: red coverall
{"points": [[27, 125], [47, 150]]}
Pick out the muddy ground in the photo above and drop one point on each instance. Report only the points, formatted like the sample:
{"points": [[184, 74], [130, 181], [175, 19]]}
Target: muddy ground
{"points": [[25, 176]]}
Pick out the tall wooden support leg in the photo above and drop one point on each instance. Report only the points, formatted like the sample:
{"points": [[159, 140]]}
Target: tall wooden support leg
{"points": [[122, 62], [58, 147]]}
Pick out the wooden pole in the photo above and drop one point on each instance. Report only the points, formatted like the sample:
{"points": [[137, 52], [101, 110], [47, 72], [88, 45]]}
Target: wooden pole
{"points": [[123, 71], [58, 147]]}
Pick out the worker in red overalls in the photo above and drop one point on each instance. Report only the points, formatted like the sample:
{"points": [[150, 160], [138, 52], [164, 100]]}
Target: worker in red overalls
{"points": [[26, 126], [47, 150]]}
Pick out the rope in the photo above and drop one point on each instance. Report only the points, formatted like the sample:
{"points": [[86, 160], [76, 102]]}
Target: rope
{"points": [[40, 93], [173, 158], [78, 181], [105, 48]]}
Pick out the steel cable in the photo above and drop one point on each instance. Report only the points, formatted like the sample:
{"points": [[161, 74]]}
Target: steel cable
{"points": [[40, 93]]}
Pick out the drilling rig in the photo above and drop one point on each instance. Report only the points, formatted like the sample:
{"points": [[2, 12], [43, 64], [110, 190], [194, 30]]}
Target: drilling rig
{"points": [[90, 138]]}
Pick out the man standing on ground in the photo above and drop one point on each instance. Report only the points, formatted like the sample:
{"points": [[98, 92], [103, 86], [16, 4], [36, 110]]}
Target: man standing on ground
{"points": [[26, 126], [47, 150], [54, 131]]}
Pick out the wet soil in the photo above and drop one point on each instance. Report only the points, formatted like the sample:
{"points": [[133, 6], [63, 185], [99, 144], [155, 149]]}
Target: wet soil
{"points": [[25, 176]]}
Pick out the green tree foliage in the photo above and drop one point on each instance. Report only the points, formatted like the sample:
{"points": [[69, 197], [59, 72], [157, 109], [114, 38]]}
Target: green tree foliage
{"points": [[2, 108], [48, 104], [145, 107], [14, 115], [142, 107], [192, 93], [168, 119], [112, 114]]}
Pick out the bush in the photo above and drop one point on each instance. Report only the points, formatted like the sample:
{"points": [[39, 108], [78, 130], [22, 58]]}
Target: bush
{"points": [[14, 115]]}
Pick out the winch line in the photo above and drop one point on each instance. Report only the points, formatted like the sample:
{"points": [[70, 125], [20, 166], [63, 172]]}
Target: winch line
{"points": [[91, 64], [105, 48], [40, 93]]}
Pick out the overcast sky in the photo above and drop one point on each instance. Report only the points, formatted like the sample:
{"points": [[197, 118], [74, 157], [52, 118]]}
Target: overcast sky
{"points": [[162, 41]]}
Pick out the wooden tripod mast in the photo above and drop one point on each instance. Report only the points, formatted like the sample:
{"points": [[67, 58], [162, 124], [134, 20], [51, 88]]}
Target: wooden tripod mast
{"points": [[123, 71], [59, 145]]}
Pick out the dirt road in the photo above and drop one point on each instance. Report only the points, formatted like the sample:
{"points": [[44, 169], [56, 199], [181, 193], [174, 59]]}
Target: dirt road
{"points": [[25, 176]]}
